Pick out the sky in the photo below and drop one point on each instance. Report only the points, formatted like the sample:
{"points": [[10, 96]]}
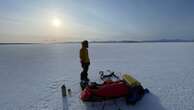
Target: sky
{"points": [[75, 20]]}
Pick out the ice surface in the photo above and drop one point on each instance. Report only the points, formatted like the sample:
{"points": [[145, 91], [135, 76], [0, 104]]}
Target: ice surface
{"points": [[31, 75]]}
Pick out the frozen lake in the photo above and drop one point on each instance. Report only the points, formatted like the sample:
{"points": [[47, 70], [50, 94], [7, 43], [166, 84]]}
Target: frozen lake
{"points": [[31, 75]]}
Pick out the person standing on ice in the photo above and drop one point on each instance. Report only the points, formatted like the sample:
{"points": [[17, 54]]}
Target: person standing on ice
{"points": [[85, 60]]}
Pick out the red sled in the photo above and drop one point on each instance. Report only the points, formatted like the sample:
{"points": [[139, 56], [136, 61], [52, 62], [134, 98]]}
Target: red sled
{"points": [[131, 89]]}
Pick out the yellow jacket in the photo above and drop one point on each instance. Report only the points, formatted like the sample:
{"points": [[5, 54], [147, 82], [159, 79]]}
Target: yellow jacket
{"points": [[84, 57]]}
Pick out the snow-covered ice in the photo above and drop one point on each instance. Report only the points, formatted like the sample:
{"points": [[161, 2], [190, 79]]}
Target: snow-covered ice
{"points": [[31, 75]]}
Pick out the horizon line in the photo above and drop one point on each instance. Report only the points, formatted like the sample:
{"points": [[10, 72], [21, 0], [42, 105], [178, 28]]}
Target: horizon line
{"points": [[103, 41]]}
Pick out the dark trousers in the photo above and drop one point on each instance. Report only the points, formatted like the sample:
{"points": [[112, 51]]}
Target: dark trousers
{"points": [[84, 73]]}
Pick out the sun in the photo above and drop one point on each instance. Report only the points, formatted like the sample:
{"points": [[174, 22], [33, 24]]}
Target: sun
{"points": [[56, 22]]}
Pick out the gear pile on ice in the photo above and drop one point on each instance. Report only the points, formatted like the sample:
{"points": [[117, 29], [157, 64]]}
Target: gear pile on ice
{"points": [[113, 86]]}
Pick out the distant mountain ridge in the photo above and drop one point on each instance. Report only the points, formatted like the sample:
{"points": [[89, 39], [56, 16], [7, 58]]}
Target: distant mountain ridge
{"points": [[143, 41]]}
